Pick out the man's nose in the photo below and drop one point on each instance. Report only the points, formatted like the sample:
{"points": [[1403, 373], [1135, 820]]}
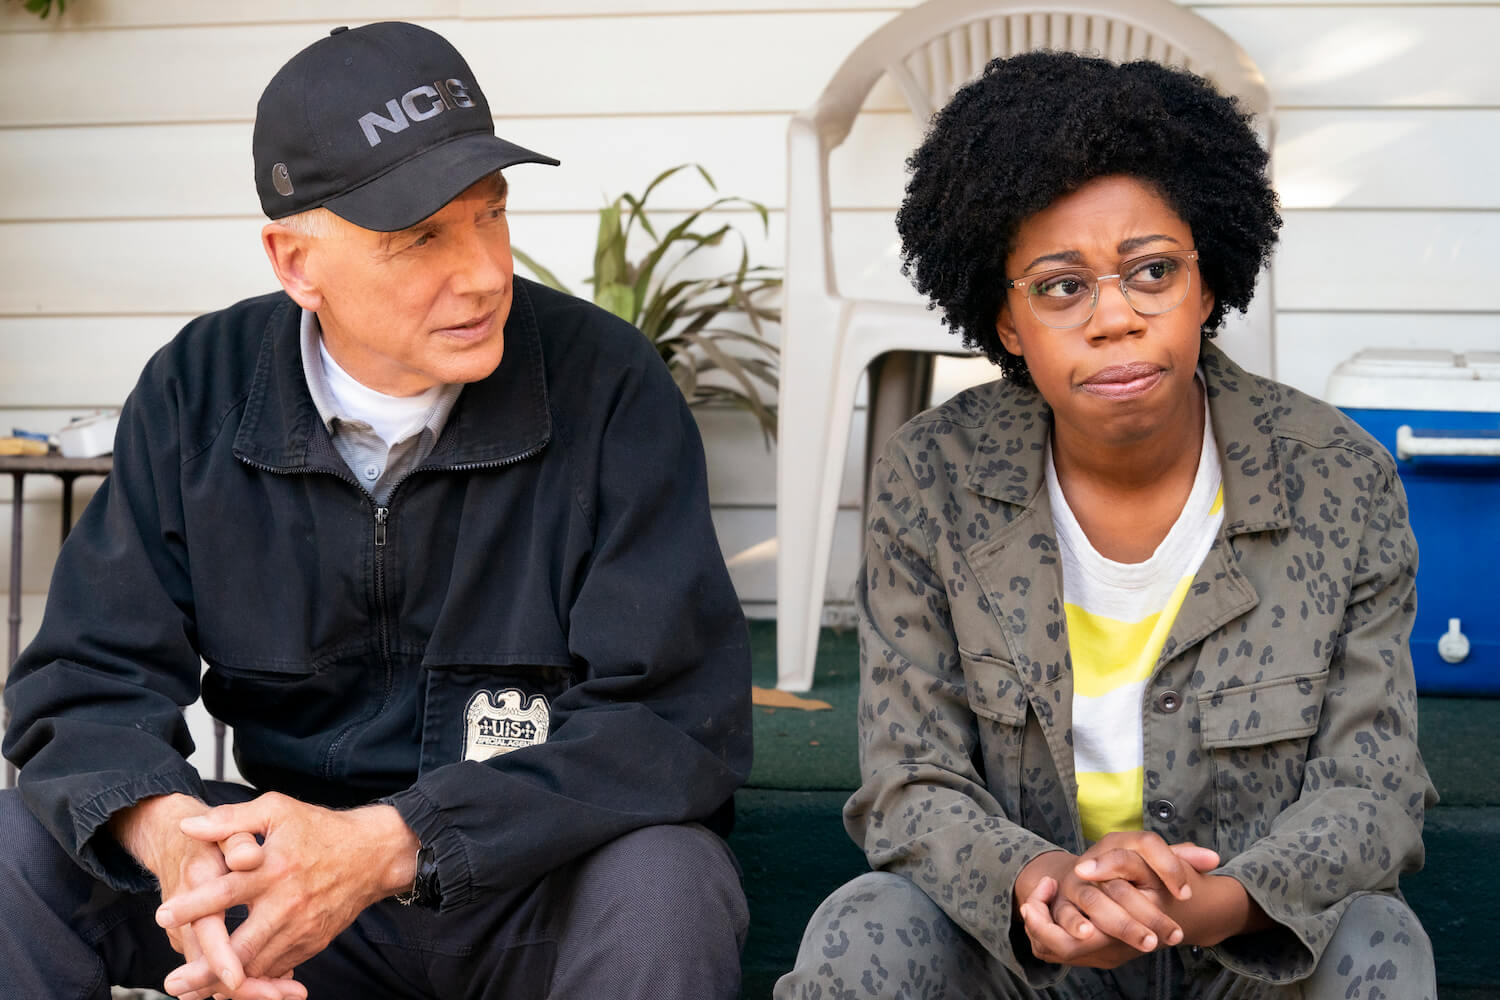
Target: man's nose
{"points": [[484, 266]]}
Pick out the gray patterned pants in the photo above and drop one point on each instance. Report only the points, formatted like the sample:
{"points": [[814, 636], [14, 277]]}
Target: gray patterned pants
{"points": [[881, 936]]}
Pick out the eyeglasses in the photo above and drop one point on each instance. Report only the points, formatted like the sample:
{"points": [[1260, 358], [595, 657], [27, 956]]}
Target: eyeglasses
{"points": [[1066, 297]]}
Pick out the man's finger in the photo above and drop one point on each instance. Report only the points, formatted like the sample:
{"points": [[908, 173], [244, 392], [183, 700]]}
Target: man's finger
{"points": [[210, 898], [242, 852], [222, 822], [218, 965]]}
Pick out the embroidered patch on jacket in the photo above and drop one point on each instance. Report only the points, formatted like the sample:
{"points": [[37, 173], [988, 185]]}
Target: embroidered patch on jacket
{"points": [[506, 722]]}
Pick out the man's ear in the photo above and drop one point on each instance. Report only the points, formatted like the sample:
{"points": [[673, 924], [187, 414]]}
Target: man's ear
{"points": [[1005, 327], [288, 252]]}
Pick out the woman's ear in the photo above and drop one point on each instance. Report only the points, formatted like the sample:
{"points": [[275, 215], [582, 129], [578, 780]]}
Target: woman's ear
{"points": [[288, 252], [1005, 328], [1205, 304]]}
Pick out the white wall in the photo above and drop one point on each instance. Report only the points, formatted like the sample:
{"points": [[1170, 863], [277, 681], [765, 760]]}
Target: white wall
{"points": [[126, 203]]}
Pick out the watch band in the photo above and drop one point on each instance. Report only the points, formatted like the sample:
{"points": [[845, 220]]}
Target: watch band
{"points": [[424, 889]]}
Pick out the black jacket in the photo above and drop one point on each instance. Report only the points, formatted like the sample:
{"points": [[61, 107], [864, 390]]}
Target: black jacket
{"points": [[557, 541]]}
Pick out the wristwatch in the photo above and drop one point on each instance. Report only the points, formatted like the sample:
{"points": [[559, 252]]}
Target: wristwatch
{"points": [[424, 891]]}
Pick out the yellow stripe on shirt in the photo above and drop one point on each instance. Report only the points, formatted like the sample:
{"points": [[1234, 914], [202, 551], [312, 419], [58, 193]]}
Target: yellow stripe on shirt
{"points": [[1109, 802], [1108, 653]]}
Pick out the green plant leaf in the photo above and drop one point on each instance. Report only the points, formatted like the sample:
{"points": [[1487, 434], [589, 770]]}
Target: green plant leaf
{"points": [[545, 276], [618, 299], [609, 253], [683, 317]]}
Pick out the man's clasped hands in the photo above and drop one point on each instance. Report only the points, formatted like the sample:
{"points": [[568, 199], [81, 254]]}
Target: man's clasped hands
{"points": [[303, 873]]}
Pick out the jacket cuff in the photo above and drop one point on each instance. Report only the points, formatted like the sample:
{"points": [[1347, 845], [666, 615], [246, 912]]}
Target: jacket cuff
{"points": [[455, 875], [1285, 952], [99, 853]]}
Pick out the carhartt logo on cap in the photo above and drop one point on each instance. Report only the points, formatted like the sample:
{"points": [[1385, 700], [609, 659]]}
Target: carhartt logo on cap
{"points": [[281, 180], [417, 105]]}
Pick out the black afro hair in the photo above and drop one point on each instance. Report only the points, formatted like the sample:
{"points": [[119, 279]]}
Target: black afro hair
{"points": [[1037, 126]]}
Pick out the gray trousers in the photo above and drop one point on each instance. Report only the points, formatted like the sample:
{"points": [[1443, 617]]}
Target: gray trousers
{"points": [[881, 936], [658, 913]]}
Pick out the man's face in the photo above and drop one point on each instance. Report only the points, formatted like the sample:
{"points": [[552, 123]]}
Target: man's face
{"points": [[404, 311]]}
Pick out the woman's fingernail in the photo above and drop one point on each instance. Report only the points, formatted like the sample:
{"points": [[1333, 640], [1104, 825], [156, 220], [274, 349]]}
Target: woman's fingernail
{"points": [[164, 917], [1175, 937], [1086, 867], [1149, 944]]}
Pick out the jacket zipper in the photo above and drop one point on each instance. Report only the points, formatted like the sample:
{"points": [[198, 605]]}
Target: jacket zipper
{"points": [[382, 516]]}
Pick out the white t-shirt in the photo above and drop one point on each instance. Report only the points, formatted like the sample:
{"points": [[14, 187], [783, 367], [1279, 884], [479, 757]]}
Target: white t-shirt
{"points": [[393, 418], [1119, 615]]}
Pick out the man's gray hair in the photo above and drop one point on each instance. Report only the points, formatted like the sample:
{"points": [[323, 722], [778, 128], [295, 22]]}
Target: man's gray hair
{"points": [[316, 223]]}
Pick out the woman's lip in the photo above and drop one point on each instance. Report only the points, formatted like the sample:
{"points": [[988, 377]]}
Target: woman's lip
{"points": [[1123, 381]]}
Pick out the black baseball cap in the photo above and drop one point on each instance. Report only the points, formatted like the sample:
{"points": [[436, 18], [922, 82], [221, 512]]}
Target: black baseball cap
{"points": [[382, 124]]}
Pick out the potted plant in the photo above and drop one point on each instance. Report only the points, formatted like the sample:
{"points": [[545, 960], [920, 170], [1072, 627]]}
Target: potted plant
{"points": [[683, 317]]}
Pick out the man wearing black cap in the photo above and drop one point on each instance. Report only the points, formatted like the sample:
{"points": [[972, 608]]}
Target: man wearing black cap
{"points": [[441, 537]]}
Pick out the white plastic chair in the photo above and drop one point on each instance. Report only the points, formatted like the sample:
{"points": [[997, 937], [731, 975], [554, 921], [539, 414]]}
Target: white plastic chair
{"points": [[828, 339]]}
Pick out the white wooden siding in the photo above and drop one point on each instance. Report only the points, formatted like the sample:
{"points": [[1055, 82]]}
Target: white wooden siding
{"points": [[126, 204]]}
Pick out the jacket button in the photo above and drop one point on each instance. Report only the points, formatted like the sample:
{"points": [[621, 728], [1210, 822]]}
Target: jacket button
{"points": [[1168, 702], [1163, 810], [1196, 951]]}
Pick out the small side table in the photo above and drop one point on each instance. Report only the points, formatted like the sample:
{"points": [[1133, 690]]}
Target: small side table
{"points": [[19, 467]]}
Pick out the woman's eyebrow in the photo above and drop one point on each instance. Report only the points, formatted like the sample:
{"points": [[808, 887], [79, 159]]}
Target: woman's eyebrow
{"points": [[1136, 242], [1061, 257]]}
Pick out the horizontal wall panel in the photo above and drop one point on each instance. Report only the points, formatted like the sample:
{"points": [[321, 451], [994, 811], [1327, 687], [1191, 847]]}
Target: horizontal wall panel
{"points": [[742, 470], [748, 538], [1434, 56], [1389, 261], [96, 14], [526, 67], [77, 361], [1327, 260], [130, 267], [193, 170], [1436, 261], [198, 265], [1310, 345], [84, 15], [1312, 56], [1323, 159], [1390, 158]]}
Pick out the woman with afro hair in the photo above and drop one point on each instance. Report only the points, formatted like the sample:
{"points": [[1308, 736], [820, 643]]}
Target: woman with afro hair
{"points": [[1137, 713]]}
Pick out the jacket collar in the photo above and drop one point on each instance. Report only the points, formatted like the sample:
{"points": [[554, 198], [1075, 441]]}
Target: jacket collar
{"points": [[1009, 460], [497, 420]]}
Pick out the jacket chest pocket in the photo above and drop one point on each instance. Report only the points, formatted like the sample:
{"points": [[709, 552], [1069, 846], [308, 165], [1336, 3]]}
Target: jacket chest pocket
{"points": [[1256, 739], [998, 700], [476, 713]]}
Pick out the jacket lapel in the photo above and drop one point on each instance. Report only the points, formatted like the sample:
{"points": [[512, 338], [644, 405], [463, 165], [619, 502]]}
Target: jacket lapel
{"points": [[1020, 570], [1252, 500]]}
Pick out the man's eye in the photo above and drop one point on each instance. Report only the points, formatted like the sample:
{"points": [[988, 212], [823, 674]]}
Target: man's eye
{"points": [[423, 240], [1060, 286]]}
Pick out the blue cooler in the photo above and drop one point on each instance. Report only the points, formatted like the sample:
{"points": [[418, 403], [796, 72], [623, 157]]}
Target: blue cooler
{"points": [[1439, 413]]}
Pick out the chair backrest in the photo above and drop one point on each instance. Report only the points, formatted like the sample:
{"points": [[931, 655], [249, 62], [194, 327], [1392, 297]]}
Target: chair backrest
{"points": [[936, 47]]}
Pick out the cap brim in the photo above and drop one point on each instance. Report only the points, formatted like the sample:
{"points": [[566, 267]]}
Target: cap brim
{"points": [[410, 192]]}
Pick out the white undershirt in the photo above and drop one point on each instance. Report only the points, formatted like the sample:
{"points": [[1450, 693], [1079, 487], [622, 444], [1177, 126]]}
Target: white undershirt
{"points": [[392, 418]]}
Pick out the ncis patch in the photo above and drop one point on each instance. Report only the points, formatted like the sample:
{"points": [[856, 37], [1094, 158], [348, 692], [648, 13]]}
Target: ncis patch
{"points": [[505, 722]]}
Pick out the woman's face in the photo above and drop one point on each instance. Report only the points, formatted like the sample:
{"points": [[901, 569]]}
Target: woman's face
{"points": [[1121, 377]]}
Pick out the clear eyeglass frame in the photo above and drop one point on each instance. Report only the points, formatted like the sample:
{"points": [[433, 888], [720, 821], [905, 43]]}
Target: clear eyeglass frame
{"points": [[1022, 282]]}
